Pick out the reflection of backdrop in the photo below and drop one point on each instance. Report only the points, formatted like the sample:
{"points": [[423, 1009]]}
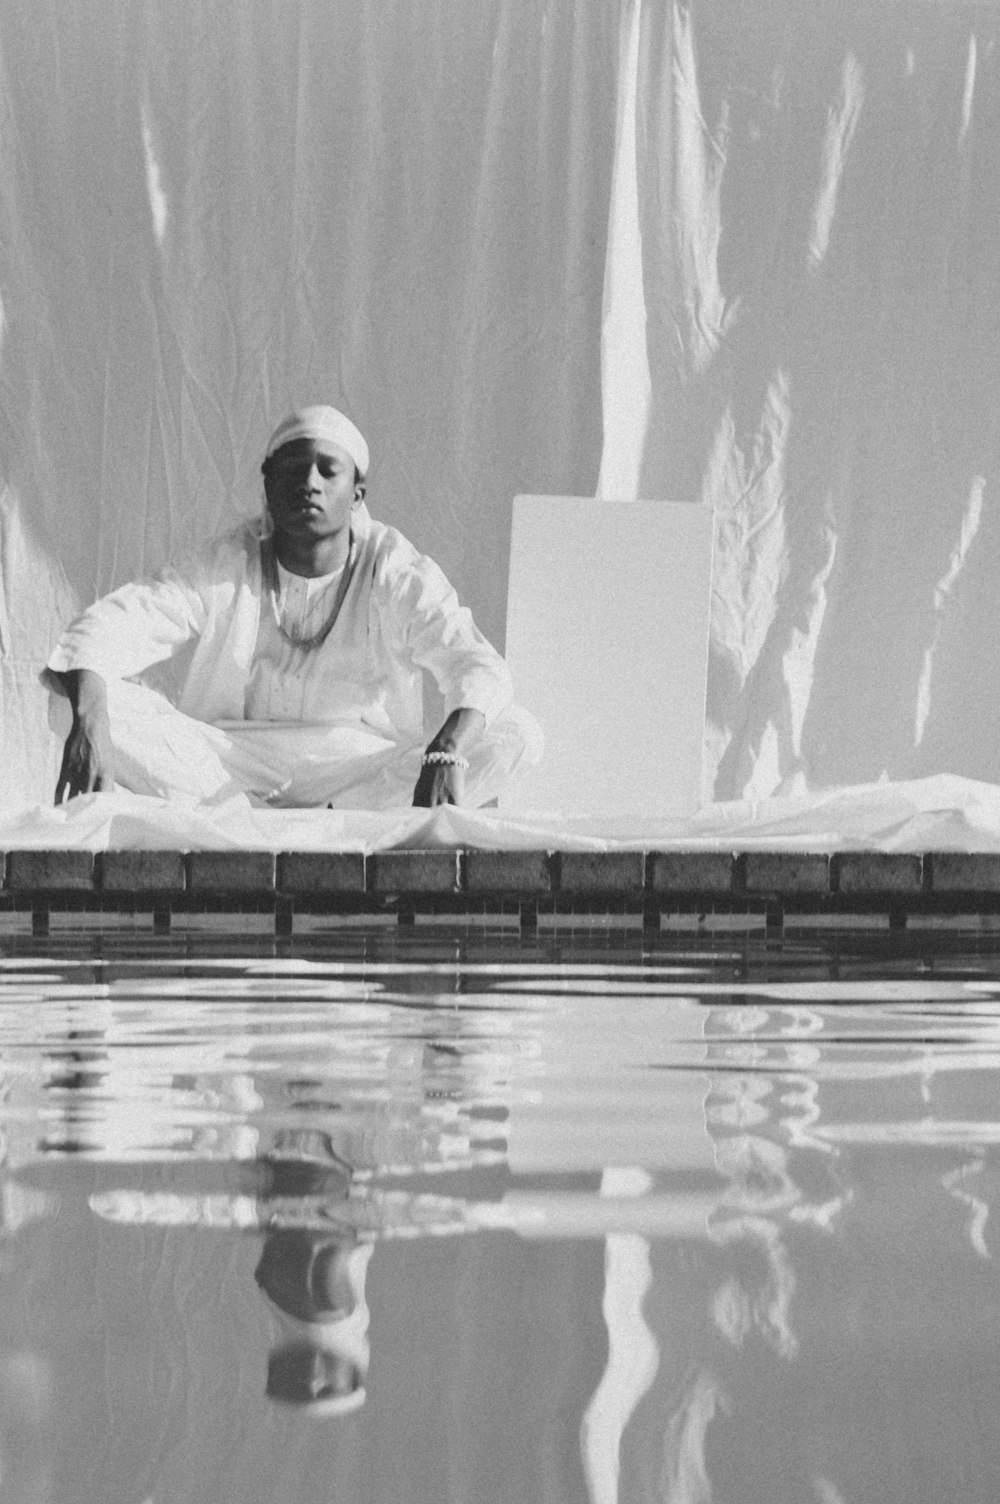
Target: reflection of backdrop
{"points": [[795, 1199], [207, 215]]}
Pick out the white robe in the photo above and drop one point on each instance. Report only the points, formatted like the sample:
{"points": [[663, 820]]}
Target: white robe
{"points": [[364, 700]]}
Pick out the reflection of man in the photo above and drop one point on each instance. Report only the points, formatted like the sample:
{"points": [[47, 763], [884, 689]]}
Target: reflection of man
{"points": [[310, 635], [317, 1285], [315, 1281]]}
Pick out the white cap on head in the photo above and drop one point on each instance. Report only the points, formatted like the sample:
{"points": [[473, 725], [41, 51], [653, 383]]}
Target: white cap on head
{"points": [[321, 422], [334, 1404]]}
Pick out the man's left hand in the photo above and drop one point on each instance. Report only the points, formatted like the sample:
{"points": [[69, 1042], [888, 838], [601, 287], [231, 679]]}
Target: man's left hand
{"points": [[439, 783], [444, 782]]}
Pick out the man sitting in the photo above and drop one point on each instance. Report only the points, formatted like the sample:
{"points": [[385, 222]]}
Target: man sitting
{"points": [[310, 631]]}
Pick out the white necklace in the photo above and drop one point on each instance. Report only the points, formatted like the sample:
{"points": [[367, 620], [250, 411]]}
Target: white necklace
{"points": [[269, 569]]}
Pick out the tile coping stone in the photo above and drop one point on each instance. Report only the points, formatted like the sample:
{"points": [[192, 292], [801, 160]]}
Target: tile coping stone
{"points": [[879, 872], [507, 871], [315, 872], [142, 871], [786, 872], [690, 871], [481, 871], [230, 871], [50, 869], [601, 871], [414, 871]]}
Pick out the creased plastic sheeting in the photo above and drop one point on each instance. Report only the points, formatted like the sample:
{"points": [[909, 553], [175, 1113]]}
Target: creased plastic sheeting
{"points": [[211, 211], [33, 590], [929, 814], [816, 356]]}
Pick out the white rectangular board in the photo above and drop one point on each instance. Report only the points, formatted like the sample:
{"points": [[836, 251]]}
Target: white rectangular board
{"points": [[607, 642]]}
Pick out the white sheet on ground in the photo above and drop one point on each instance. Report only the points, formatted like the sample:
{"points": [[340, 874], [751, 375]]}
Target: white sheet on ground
{"points": [[927, 814]]}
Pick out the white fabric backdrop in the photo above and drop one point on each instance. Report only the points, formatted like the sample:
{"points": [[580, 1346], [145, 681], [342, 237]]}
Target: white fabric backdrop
{"points": [[761, 240], [808, 328]]}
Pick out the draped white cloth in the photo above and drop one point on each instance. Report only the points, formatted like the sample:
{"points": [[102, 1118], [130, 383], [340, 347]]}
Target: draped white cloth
{"points": [[690, 249], [928, 814]]}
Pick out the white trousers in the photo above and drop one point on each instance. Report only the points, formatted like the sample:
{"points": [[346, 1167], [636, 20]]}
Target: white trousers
{"points": [[160, 751]]}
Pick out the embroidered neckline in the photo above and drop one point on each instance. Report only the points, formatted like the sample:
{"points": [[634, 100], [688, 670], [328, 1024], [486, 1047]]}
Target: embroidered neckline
{"points": [[269, 570]]}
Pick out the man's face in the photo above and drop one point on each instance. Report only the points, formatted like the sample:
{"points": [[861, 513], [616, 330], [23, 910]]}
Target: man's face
{"points": [[308, 1275], [310, 488]]}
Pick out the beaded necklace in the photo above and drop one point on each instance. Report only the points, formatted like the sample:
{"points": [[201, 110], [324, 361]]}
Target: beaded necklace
{"points": [[269, 569]]}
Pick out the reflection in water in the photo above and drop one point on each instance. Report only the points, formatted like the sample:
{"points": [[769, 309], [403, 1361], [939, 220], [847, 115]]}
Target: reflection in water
{"points": [[315, 1282], [957, 1182], [26, 1427], [659, 1234], [632, 1350]]}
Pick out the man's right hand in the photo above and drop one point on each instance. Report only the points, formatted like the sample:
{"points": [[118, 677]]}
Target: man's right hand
{"points": [[88, 763]]}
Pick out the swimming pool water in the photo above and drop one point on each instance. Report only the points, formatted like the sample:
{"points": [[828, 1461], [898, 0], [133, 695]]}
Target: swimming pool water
{"points": [[389, 1220]]}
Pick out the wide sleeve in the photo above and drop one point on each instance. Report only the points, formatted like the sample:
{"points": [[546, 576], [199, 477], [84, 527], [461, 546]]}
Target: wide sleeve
{"points": [[434, 632], [135, 626]]}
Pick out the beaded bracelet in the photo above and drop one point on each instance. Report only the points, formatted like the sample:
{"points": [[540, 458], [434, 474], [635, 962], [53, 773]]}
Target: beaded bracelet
{"points": [[449, 759]]}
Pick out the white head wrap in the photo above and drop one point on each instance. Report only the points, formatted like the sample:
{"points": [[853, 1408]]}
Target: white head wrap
{"points": [[321, 422]]}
